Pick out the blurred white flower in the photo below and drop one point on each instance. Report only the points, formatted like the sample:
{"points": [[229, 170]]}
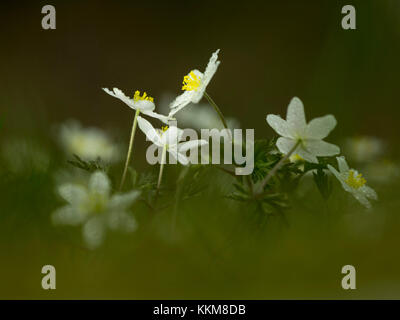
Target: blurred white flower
{"points": [[194, 85], [88, 143], [144, 103], [382, 171], [308, 137], [353, 182], [92, 206], [23, 155], [197, 117], [364, 149], [169, 138]]}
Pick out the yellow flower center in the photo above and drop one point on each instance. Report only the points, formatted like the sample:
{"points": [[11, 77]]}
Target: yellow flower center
{"points": [[295, 157], [163, 129], [95, 203], [355, 181], [191, 82], [137, 97]]}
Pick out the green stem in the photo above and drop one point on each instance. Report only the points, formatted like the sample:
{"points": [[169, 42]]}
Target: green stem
{"points": [[128, 156], [164, 152], [221, 116], [278, 166], [179, 188]]}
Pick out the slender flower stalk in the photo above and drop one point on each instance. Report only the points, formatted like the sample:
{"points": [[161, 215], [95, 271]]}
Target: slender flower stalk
{"points": [[163, 156], [278, 165], [221, 116], [180, 184], [128, 156]]}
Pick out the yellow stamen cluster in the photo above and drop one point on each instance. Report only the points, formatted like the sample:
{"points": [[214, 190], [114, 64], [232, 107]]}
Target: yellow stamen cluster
{"points": [[165, 128], [355, 181], [191, 82], [137, 97]]}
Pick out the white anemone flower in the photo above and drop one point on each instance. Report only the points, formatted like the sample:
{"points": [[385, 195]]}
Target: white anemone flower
{"points": [[144, 103], [194, 85], [300, 138], [353, 182], [168, 138], [94, 207], [88, 143]]}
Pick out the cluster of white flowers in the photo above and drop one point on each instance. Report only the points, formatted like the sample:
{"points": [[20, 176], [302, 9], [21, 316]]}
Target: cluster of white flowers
{"points": [[303, 141], [92, 204]]}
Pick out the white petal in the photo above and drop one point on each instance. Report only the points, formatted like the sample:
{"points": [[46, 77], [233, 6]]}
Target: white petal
{"points": [[181, 101], [117, 93], [99, 183], [141, 104], [120, 220], [369, 192], [72, 193], [182, 159], [122, 201], [171, 136], [285, 144], [158, 116], [211, 68], [188, 145], [320, 128], [279, 125], [93, 232], [338, 175], [295, 115], [149, 131], [68, 215], [321, 148], [145, 105], [307, 156], [335, 172], [198, 94], [343, 166], [362, 199]]}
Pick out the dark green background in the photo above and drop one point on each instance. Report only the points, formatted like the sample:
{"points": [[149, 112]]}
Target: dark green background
{"points": [[270, 52]]}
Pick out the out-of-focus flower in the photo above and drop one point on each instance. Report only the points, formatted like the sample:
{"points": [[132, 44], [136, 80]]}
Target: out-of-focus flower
{"points": [[144, 103], [353, 182], [308, 137], [197, 117], [194, 85], [93, 207], [382, 171], [22, 155], [364, 149], [88, 143], [169, 138]]}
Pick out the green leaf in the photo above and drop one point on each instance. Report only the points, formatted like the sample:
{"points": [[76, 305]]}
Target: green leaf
{"points": [[323, 183], [90, 166]]}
